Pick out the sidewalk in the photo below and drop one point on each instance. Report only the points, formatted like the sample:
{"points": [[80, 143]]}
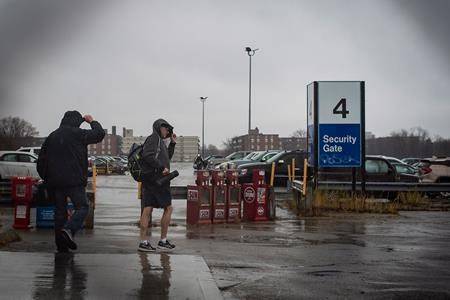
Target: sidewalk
{"points": [[98, 276]]}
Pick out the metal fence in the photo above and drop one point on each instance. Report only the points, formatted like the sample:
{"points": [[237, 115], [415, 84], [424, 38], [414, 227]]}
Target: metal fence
{"points": [[379, 186]]}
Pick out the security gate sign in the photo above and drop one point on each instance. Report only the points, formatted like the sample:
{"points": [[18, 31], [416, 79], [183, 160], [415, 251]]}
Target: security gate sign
{"points": [[336, 123]]}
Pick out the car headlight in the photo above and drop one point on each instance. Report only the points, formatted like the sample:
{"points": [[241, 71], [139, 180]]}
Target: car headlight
{"points": [[243, 172]]}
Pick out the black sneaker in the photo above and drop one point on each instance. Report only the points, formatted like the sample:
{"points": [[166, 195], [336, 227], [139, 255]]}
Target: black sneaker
{"points": [[167, 246], [67, 235], [146, 247]]}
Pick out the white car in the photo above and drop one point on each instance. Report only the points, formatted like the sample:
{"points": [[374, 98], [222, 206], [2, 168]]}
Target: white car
{"points": [[32, 150], [17, 163]]}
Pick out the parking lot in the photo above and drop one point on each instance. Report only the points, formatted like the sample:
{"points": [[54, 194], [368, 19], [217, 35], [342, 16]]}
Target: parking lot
{"points": [[342, 255]]}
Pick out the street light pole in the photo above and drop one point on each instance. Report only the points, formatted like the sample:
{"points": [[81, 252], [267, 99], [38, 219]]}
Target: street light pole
{"points": [[250, 53], [203, 100]]}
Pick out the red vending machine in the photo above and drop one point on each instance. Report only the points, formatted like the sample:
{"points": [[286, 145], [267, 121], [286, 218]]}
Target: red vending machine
{"points": [[219, 196], [199, 204], [233, 201], [259, 199], [22, 195]]}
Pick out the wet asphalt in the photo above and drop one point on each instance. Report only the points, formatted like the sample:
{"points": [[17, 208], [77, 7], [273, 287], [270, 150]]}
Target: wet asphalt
{"points": [[336, 256]]}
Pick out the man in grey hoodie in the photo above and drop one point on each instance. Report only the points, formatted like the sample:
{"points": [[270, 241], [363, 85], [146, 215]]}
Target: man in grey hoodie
{"points": [[156, 154]]}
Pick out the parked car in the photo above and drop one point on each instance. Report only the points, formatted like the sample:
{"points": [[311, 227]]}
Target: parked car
{"points": [[17, 163], [32, 150], [226, 164], [411, 161], [281, 160], [121, 161], [115, 166], [257, 156], [378, 169], [389, 158], [212, 162], [435, 170], [406, 172]]}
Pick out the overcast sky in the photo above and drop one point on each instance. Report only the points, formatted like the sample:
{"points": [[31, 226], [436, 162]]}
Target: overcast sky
{"points": [[130, 62]]}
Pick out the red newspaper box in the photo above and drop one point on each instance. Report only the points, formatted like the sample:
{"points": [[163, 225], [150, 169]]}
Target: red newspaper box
{"points": [[233, 201], [199, 204], [219, 196], [22, 195], [258, 204]]}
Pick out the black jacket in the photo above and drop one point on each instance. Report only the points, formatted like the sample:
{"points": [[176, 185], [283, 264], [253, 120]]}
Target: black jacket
{"points": [[63, 160], [156, 160]]}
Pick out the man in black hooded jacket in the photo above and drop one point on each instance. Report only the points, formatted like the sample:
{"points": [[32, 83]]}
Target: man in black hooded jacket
{"points": [[63, 164], [157, 151]]}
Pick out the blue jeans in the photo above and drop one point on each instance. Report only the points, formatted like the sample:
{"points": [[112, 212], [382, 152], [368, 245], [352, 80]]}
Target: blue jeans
{"points": [[78, 197]]}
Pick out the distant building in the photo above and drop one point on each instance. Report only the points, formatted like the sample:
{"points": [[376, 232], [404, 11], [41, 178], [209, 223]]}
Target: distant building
{"points": [[111, 145], [256, 141], [187, 148], [128, 140], [293, 143], [369, 135]]}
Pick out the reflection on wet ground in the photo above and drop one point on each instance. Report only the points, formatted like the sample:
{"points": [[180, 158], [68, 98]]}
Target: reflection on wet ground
{"points": [[95, 276]]}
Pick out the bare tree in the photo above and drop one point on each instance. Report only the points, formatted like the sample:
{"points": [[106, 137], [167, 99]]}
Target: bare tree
{"points": [[211, 150], [400, 133], [421, 133], [300, 133], [228, 145], [14, 127]]}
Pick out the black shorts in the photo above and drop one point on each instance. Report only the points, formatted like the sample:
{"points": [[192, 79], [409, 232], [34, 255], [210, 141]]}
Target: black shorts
{"points": [[156, 196]]}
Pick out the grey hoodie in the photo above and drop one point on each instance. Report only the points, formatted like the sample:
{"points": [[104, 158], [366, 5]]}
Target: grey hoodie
{"points": [[157, 159]]}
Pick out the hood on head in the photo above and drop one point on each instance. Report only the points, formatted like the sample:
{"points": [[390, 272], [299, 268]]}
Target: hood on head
{"points": [[72, 118], [159, 123]]}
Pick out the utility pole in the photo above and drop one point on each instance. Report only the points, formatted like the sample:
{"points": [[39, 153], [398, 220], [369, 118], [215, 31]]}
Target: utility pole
{"points": [[250, 53], [203, 100]]}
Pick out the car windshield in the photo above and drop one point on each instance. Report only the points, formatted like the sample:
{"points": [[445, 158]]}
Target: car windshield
{"points": [[275, 157], [258, 156], [250, 155], [268, 156], [404, 169], [394, 160], [235, 155]]}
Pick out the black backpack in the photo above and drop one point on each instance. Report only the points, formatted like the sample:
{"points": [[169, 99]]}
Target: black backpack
{"points": [[135, 161]]}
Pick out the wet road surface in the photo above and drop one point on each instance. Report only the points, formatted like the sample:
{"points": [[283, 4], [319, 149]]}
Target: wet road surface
{"points": [[336, 256]]}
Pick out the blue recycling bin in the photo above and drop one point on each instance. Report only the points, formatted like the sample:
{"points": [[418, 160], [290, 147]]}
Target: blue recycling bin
{"points": [[45, 207]]}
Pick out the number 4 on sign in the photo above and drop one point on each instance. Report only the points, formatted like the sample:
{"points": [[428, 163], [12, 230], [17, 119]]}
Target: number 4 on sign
{"points": [[344, 112]]}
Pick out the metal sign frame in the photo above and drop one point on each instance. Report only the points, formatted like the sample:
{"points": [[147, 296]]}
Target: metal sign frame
{"points": [[312, 138]]}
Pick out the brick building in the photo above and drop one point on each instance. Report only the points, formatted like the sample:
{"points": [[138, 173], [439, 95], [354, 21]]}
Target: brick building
{"points": [[256, 140], [111, 144], [293, 143]]}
